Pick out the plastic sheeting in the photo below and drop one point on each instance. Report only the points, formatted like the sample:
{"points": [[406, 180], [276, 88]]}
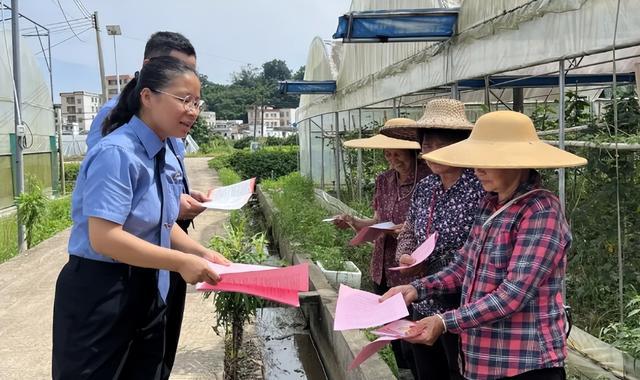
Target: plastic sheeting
{"points": [[37, 108], [371, 73], [603, 354]]}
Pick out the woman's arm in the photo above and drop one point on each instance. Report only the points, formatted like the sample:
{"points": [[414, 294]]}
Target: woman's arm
{"points": [[109, 239]]}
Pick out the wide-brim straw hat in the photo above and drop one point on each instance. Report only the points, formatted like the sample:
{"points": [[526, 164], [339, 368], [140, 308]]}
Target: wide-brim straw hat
{"points": [[438, 114], [504, 140], [381, 142]]}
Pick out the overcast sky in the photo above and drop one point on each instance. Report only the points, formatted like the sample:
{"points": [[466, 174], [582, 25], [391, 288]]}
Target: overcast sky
{"points": [[226, 34]]}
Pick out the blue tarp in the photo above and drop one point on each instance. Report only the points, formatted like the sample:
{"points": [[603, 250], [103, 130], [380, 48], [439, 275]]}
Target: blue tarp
{"points": [[435, 24], [308, 87]]}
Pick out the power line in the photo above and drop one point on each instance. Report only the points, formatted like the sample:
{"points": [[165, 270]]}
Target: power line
{"points": [[67, 20], [67, 39], [82, 8]]}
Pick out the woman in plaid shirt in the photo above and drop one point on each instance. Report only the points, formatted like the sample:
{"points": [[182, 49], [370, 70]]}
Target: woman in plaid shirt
{"points": [[511, 318]]}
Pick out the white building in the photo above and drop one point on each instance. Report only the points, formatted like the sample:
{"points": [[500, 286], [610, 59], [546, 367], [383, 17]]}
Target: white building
{"points": [[79, 108], [112, 84], [273, 117], [209, 118]]}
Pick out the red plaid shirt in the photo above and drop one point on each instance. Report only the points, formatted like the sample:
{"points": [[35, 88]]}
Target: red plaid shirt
{"points": [[511, 319]]}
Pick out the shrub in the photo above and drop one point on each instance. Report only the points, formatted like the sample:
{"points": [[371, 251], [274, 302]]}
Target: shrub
{"points": [[31, 206], [71, 170], [243, 143], [265, 163]]}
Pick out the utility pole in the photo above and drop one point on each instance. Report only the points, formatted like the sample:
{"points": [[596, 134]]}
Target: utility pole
{"points": [[17, 102], [255, 120], [58, 112], [103, 80]]}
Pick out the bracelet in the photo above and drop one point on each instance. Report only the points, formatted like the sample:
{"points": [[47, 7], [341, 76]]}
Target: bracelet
{"points": [[444, 324]]}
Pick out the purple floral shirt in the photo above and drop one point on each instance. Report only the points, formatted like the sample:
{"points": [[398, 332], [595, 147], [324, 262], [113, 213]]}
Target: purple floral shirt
{"points": [[391, 202], [452, 213]]}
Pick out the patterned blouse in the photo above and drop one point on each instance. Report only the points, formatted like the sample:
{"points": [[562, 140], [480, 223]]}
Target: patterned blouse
{"points": [[391, 202], [452, 213]]}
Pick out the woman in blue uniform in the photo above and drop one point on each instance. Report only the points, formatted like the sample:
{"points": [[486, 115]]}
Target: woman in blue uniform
{"points": [[108, 318]]}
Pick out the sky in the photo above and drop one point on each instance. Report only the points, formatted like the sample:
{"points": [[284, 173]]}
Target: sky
{"points": [[227, 34]]}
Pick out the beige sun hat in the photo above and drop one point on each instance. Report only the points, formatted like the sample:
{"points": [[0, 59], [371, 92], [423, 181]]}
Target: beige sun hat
{"points": [[504, 140], [384, 142], [381, 142], [438, 114]]}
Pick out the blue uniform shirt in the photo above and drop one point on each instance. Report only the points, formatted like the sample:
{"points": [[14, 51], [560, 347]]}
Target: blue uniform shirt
{"points": [[117, 182]]}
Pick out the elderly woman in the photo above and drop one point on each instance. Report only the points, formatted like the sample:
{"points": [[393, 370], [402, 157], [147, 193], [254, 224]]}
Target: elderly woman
{"points": [[393, 191], [511, 320], [445, 202]]}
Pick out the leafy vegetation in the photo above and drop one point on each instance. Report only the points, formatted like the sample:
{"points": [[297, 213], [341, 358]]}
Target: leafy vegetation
{"points": [[269, 162], [592, 274], [299, 217], [71, 170], [250, 86], [56, 216], [233, 310], [31, 206]]}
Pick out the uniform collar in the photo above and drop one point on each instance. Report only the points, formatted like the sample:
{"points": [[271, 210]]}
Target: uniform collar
{"points": [[149, 139]]}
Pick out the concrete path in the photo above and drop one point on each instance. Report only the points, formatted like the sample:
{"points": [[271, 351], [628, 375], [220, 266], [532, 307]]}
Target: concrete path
{"points": [[27, 285]]}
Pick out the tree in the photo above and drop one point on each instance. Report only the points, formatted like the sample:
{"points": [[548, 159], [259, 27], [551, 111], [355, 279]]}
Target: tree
{"points": [[247, 77], [275, 70], [200, 132], [299, 75]]}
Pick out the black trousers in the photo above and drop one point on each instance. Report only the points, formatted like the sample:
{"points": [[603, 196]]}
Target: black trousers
{"points": [[556, 373], [437, 362], [175, 313], [108, 322]]}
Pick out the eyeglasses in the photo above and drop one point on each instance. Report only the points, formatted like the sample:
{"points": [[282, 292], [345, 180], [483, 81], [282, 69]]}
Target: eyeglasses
{"points": [[189, 103]]}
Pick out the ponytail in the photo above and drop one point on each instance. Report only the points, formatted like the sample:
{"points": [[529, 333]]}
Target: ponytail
{"points": [[128, 105]]}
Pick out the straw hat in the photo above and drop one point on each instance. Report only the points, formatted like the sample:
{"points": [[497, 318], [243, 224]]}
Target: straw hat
{"points": [[438, 114], [504, 140], [381, 142]]}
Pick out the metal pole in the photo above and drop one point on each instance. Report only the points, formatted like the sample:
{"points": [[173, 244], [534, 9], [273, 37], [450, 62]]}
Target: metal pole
{"points": [[255, 120], [360, 155], [337, 151], [115, 56], [103, 79], [58, 112], [487, 95], [50, 64], [455, 92], [310, 156], [561, 106], [518, 99], [561, 171], [322, 184], [17, 102]]}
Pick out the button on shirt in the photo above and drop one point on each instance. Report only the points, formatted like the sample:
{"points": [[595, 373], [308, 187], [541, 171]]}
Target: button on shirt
{"points": [[118, 182], [511, 318]]}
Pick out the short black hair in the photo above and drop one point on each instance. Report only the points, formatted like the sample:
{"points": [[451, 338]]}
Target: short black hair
{"points": [[163, 43], [450, 136]]}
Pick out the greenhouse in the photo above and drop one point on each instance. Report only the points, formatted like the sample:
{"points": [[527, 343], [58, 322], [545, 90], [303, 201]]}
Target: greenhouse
{"points": [[580, 90], [39, 143]]}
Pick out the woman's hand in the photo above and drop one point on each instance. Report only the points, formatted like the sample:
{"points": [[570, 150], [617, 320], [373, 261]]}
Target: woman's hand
{"points": [[409, 293], [194, 269], [215, 257], [395, 230], [406, 261], [345, 221], [426, 331]]}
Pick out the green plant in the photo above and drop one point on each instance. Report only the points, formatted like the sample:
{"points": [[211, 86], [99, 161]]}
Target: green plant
{"points": [[71, 170], [626, 336], [386, 353], [228, 176], [31, 207], [234, 309], [8, 237], [243, 143]]}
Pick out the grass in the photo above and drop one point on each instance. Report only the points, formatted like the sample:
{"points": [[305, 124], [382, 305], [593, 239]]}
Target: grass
{"points": [[228, 176], [57, 217]]}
